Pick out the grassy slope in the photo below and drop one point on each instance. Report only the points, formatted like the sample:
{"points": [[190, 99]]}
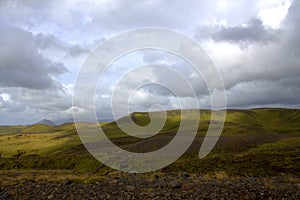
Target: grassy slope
{"points": [[46, 147], [238, 122]]}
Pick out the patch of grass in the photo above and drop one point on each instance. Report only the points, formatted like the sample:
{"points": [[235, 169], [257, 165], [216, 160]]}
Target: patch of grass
{"points": [[10, 129], [276, 158], [248, 147], [39, 128], [43, 144]]}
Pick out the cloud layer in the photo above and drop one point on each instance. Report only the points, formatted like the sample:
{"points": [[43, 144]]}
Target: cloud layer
{"points": [[44, 44], [21, 63]]}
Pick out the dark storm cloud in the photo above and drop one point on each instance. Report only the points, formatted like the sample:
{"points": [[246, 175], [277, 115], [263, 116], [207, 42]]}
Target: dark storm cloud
{"points": [[262, 93], [47, 41], [21, 63], [292, 26], [254, 31], [259, 68], [267, 71]]}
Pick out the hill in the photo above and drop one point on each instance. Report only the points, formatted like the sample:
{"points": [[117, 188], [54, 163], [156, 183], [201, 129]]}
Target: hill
{"points": [[46, 122], [256, 142]]}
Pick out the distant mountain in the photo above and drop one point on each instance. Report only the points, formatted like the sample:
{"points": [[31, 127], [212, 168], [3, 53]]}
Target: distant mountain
{"points": [[47, 122], [71, 120], [64, 121], [105, 120]]}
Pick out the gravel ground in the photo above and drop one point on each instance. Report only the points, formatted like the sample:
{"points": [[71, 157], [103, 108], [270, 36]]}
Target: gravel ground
{"points": [[168, 186]]}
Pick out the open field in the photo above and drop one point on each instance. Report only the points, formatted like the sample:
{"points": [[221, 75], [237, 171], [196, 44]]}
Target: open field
{"points": [[260, 143]]}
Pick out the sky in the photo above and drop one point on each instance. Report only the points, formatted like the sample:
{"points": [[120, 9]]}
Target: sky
{"points": [[43, 44]]}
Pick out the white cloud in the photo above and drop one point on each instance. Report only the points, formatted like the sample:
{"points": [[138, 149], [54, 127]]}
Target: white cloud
{"points": [[5, 96], [254, 44], [272, 15]]}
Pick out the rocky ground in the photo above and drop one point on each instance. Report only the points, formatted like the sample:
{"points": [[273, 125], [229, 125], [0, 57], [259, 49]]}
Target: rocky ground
{"points": [[160, 186]]}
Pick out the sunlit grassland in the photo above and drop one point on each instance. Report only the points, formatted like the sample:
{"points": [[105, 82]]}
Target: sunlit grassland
{"points": [[256, 142]]}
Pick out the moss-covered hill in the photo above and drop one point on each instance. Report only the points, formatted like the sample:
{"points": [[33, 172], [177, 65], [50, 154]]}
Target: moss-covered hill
{"points": [[260, 142]]}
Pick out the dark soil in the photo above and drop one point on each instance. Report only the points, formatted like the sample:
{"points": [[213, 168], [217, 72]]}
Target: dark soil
{"points": [[179, 185]]}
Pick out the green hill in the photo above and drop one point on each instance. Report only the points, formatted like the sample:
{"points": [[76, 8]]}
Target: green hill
{"points": [[259, 142], [238, 122]]}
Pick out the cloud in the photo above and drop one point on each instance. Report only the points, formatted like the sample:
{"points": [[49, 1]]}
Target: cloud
{"points": [[48, 41], [257, 55], [265, 93], [277, 60], [244, 35], [254, 31], [21, 63], [86, 21], [30, 105], [158, 67], [265, 71]]}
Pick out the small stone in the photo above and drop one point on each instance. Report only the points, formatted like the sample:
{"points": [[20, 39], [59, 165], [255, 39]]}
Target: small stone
{"points": [[4, 195], [130, 188], [68, 182], [51, 196], [160, 184], [175, 184], [115, 181], [123, 179], [186, 174], [65, 196]]}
